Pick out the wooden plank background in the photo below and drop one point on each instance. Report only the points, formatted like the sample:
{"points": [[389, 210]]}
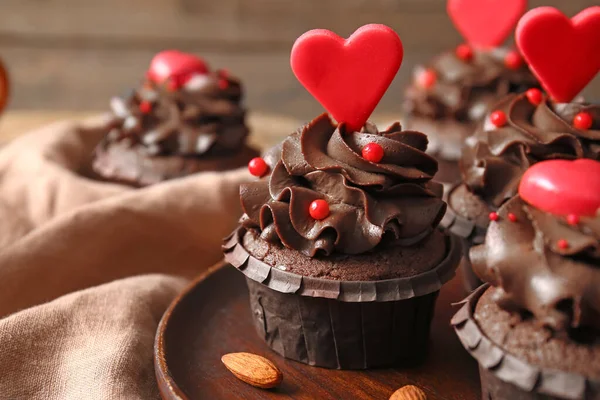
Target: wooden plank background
{"points": [[76, 54]]}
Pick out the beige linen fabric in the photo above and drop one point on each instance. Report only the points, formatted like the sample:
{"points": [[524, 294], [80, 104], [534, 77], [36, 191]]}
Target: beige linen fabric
{"points": [[87, 268]]}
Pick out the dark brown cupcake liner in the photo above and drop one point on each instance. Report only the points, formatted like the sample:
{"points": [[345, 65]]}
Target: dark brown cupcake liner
{"points": [[471, 234], [460, 226], [504, 376], [347, 291], [342, 324]]}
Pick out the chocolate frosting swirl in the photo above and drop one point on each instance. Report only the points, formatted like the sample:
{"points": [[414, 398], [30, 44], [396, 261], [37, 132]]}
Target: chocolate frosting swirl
{"points": [[393, 202], [204, 117], [495, 159], [465, 90], [559, 286]]}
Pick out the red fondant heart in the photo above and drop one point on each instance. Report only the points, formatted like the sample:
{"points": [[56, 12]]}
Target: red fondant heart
{"points": [[348, 76], [176, 66], [563, 53], [563, 187], [486, 23]]}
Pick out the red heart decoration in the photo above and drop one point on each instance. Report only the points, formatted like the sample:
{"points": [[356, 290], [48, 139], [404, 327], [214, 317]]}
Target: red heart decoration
{"points": [[348, 76], [176, 66], [486, 23], [563, 187], [563, 53]]}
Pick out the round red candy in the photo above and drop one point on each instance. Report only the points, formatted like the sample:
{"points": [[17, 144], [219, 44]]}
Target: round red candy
{"points": [[513, 60], [319, 209], [512, 217], [223, 84], [464, 52], [534, 96], [427, 78], [145, 107], [562, 244], [573, 219], [258, 167], [493, 216], [498, 118], [583, 121], [372, 152]]}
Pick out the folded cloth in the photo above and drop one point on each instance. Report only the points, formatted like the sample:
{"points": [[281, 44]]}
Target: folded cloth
{"points": [[87, 268]]}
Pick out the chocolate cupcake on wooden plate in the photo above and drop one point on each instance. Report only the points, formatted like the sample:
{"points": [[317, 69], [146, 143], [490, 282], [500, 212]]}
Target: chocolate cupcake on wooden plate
{"points": [[339, 241], [449, 96], [183, 119]]}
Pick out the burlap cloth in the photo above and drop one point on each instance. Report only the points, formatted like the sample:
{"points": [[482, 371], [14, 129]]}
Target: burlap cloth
{"points": [[87, 268]]}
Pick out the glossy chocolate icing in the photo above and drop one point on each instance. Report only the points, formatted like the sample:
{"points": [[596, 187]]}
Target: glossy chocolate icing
{"points": [[559, 285], [390, 202], [466, 89], [495, 159]]}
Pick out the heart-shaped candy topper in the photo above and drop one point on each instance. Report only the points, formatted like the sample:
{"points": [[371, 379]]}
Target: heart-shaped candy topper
{"points": [[348, 76], [175, 66], [563, 187], [563, 53], [486, 23]]}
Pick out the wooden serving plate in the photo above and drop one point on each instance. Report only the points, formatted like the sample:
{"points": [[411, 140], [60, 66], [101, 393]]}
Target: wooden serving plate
{"points": [[212, 317]]}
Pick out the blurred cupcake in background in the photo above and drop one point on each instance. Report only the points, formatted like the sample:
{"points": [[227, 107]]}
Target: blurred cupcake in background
{"points": [[185, 118], [451, 94]]}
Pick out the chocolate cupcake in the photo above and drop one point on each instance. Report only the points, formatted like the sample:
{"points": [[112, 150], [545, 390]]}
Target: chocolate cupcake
{"points": [[521, 131], [534, 326], [183, 119], [340, 249], [450, 96]]}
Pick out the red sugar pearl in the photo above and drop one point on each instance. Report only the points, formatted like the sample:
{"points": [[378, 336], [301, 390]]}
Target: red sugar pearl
{"points": [[512, 217], [498, 118], [562, 244], [319, 209], [464, 52], [513, 60], [223, 84], [534, 96], [258, 167], [493, 216], [145, 107], [573, 219], [583, 121], [372, 152], [427, 78]]}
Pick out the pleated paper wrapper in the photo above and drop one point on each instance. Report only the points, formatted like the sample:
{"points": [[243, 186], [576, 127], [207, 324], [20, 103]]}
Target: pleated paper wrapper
{"points": [[504, 376], [342, 324]]}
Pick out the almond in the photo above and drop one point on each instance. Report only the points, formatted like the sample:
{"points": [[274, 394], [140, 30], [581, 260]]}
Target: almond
{"points": [[253, 369], [408, 392]]}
